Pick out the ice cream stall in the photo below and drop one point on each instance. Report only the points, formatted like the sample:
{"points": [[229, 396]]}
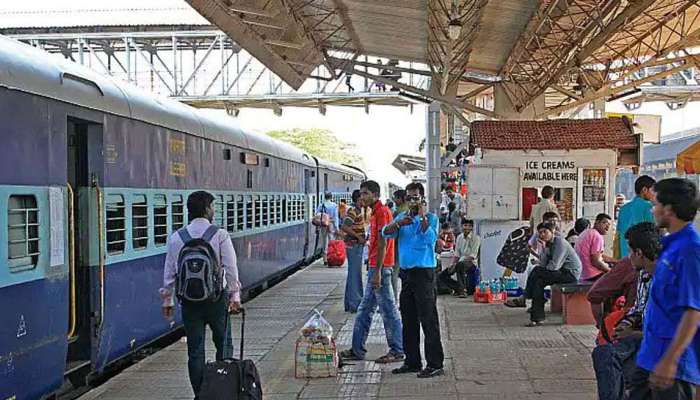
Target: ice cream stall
{"points": [[514, 160]]}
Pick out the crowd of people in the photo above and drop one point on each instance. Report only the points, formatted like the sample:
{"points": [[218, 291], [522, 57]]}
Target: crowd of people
{"points": [[645, 297]]}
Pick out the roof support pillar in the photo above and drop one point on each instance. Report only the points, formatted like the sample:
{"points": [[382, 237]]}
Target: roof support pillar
{"points": [[503, 105], [432, 140]]}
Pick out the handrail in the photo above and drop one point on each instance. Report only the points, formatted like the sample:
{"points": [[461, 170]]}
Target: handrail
{"points": [[101, 260], [71, 262]]}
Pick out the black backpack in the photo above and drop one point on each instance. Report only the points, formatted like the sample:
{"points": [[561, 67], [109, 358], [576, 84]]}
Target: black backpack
{"points": [[515, 254], [232, 379], [199, 275]]}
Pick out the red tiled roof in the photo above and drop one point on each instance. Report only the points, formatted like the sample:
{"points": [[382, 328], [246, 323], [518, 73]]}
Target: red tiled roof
{"points": [[609, 133]]}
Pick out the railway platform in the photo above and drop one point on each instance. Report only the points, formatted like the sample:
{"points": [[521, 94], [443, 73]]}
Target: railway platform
{"points": [[489, 353]]}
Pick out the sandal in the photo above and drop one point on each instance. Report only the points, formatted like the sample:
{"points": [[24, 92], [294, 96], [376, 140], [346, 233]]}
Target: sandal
{"points": [[533, 324], [390, 358], [517, 302]]}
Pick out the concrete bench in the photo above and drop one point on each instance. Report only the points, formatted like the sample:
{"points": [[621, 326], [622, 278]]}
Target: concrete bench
{"points": [[570, 300]]}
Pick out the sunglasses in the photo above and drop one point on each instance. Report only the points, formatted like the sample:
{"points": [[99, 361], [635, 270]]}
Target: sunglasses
{"points": [[414, 198]]}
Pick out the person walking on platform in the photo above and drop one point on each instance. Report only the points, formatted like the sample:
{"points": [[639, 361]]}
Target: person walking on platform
{"points": [[202, 242], [325, 232], [355, 238], [636, 211], [668, 362], [417, 234], [379, 292]]}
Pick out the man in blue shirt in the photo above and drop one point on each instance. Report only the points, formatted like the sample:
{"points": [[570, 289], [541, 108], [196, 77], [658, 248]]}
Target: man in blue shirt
{"points": [[636, 211], [669, 359], [417, 231], [325, 232]]}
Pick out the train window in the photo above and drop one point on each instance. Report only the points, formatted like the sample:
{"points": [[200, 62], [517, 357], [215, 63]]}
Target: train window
{"points": [[278, 209], [285, 209], [178, 212], [249, 179], [249, 214], [139, 222], [116, 224], [231, 208], [240, 213], [23, 231], [160, 220], [304, 207], [227, 154], [219, 210], [265, 210], [258, 212], [325, 182], [267, 162]]}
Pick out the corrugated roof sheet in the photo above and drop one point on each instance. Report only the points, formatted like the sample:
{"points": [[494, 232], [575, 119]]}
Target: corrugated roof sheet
{"points": [[98, 13], [669, 149], [554, 134]]}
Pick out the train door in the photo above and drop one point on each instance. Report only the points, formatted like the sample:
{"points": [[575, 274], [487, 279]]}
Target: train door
{"points": [[309, 204], [83, 140]]}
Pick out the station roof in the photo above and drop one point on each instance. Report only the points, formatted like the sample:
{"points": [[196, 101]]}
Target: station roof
{"points": [[573, 51], [570, 134]]}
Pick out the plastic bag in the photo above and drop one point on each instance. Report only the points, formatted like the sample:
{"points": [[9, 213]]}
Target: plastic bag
{"points": [[316, 355]]}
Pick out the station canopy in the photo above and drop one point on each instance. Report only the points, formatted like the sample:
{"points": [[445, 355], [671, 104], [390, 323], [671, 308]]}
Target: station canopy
{"points": [[571, 52]]}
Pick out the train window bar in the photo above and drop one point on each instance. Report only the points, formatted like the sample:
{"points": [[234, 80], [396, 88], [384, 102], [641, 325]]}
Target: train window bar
{"points": [[116, 224], [177, 208], [231, 209], [240, 213], [23, 232], [219, 210], [265, 210], [285, 209], [160, 220], [279, 209], [139, 222], [68, 76], [249, 212], [258, 211]]}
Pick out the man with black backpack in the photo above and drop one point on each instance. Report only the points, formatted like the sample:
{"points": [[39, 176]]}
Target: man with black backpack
{"points": [[201, 270]]}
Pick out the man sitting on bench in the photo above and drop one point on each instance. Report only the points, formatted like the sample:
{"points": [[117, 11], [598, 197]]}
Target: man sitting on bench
{"points": [[558, 264], [466, 250], [614, 362]]}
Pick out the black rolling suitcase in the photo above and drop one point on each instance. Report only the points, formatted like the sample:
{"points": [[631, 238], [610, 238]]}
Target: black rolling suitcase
{"points": [[232, 379]]}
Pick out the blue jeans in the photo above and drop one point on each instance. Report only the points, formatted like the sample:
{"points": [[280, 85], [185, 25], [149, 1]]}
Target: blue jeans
{"points": [[353, 282], [613, 365], [384, 298]]}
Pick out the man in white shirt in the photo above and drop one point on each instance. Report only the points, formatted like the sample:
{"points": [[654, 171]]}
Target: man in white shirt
{"points": [[544, 206], [466, 251], [196, 315]]}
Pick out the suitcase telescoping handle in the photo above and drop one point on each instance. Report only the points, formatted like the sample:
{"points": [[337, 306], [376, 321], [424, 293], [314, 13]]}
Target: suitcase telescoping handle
{"points": [[242, 312]]}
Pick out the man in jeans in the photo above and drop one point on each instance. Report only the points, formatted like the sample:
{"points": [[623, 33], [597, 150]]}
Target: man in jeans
{"points": [[668, 362], [558, 264], [355, 238], [614, 362], [379, 291], [195, 316], [417, 233]]}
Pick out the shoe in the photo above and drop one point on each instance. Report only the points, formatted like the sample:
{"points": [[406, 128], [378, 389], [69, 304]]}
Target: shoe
{"points": [[429, 372], [349, 355], [390, 358], [533, 324], [517, 302], [404, 369]]}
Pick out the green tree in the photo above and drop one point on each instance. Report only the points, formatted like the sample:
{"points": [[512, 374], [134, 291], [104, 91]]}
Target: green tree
{"points": [[321, 143]]}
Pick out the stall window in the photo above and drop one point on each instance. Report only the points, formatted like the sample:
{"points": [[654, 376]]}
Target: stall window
{"points": [[139, 222], [249, 212], [116, 224], [23, 232], [231, 214], [160, 220], [240, 213], [178, 212], [219, 209]]}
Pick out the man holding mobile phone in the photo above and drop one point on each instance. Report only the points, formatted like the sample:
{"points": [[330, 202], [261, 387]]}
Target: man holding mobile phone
{"points": [[417, 231]]}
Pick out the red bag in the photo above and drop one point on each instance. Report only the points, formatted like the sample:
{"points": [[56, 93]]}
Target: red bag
{"points": [[336, 253]]}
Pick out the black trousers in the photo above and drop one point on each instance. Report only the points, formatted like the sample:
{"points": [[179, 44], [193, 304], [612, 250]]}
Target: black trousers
{"points": [[640, 389], [418, 309], [460, 269], [538, 279]]}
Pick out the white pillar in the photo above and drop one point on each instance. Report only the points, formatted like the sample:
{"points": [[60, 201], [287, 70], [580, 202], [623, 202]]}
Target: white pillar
{"points": [[432, 140]]}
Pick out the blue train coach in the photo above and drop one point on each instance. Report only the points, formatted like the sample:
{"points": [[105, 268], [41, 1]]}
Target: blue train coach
{"points": [[94, 176]]}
